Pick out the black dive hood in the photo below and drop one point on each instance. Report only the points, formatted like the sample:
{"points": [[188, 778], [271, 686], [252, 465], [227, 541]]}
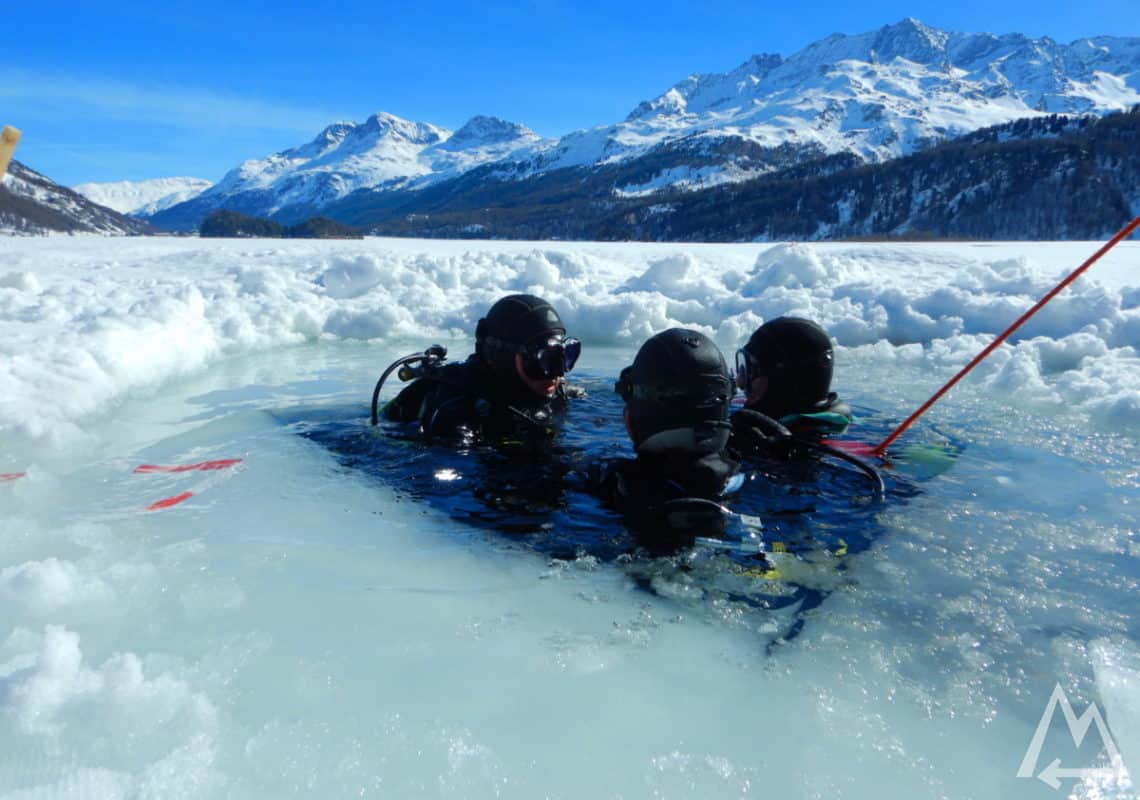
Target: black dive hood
{"points": [[678, 383], [797, 358], [511, 323]]}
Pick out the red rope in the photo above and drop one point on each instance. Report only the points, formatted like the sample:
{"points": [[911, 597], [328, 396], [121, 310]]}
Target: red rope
{"points": [[1124, 233]]}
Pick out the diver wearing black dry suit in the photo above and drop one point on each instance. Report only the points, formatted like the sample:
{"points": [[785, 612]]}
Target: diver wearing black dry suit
{"points": [[785, 371], [676, 396], [510, 385]]}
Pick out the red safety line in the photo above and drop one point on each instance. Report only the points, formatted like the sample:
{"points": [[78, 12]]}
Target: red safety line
{"points": [[202, 465], [1124, 233], [11, 476], [167, 502], [854, 448]]}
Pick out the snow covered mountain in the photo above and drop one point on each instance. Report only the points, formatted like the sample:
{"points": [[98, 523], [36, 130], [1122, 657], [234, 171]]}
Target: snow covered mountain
{"points": [[875, 96], [33, 205], [879, 95], [1054, 177], [384, 152], [143, 198]]}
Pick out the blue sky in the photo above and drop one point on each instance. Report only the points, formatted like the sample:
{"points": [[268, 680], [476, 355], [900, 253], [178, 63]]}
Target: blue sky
{"points": [[111, 90]]}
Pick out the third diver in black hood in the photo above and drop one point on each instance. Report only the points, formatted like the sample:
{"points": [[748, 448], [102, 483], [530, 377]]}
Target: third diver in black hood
{"points": [[511, 385], [789, 409], [785, 371]]}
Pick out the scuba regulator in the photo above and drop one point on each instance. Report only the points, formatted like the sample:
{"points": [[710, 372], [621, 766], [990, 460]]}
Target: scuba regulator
{"points": [[410, 367]]}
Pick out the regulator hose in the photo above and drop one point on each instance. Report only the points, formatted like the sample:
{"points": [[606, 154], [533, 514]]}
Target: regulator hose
{"points": [[433, 354], [861, 465], [768, 433]]}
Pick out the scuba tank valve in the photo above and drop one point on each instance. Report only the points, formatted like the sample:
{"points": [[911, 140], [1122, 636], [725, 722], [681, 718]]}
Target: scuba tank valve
{"points": [[422, 364]]}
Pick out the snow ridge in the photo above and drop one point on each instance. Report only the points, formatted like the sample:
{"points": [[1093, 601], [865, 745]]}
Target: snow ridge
{"points": [[882, 94]]}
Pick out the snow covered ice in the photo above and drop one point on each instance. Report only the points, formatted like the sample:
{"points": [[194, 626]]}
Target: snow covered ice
{"points": [[296, 629]]}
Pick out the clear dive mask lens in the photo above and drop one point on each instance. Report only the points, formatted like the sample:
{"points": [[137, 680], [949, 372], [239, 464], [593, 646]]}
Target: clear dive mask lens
{"points": [[745, 369], [552, 358]]}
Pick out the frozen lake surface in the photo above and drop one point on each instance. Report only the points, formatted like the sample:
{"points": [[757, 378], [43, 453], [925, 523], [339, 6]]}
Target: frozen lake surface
{"points": [[301, 627]]}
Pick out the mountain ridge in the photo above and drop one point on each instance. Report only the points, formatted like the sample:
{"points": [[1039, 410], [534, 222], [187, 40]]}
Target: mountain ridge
{"points": [[877, 95], [1044, 178], [384, 151], [32, 204]]}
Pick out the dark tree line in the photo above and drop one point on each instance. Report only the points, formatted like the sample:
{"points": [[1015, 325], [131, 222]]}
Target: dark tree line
{"points": [[231, 224]]}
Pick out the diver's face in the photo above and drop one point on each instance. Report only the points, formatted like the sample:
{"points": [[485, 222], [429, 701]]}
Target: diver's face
{"points": [[755, 390], [541, 387], [754, 385], [749, 378]]}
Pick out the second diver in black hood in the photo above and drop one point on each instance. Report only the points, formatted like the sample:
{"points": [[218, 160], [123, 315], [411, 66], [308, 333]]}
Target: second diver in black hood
{"points": [[676, 394]]}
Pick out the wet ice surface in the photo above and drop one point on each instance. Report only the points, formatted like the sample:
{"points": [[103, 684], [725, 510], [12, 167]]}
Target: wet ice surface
{"points": [[300, 628]]}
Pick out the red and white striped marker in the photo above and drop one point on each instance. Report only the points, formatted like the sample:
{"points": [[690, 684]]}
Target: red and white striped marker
{"points": [[201, 466], [167, 502]]}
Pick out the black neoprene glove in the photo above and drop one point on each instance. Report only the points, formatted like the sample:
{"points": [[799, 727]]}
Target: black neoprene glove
{"points": [[753, 432]]}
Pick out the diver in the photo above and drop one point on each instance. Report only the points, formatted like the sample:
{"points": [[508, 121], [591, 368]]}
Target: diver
{"points": [[511, 386], [676, 396], [785, 371]]}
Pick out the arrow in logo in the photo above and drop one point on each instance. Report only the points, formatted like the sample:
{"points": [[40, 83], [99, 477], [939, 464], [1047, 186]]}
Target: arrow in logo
{"points": [[1053, 773]]}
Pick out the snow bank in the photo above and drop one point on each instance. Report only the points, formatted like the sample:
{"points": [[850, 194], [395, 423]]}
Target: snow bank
{"points": [[85, 321], [1116, 664], [47, 686], [56, 683]]}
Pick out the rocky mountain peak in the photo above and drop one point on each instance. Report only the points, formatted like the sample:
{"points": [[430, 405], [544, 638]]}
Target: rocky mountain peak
{"points": [[33, 204], [489, 130], [385, 125], [912, 40]]}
